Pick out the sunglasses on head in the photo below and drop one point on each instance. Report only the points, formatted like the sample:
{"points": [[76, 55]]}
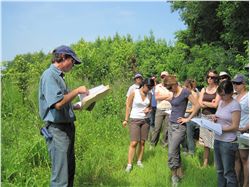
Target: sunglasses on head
{"points": [[211, 77], [237, 83]]}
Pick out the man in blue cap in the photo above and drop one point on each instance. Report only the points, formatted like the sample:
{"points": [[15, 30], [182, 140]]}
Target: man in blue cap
{"points": [[56, 111]]}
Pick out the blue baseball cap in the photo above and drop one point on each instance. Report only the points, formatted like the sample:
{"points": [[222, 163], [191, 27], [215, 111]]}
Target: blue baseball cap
{"points": [[239, 78], [63, 49]]}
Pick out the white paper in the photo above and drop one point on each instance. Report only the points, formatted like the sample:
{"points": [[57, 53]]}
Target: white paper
{"points": [[245, 135], [94, 95], [203, 122], [168, 111]]}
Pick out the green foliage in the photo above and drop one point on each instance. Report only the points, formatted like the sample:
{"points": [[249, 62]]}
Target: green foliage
{"points": [[224, 23], [101, 142]]}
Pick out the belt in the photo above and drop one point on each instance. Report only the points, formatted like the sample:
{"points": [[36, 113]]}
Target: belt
{"points": [[53, 124]]}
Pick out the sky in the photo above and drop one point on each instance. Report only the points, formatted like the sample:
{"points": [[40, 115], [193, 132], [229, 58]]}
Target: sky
{"points": [[31, 26]]}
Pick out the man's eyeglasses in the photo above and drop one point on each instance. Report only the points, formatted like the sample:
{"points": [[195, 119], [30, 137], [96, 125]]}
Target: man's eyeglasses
{"points": [[237, 83], [73, 61], [211, 77]]}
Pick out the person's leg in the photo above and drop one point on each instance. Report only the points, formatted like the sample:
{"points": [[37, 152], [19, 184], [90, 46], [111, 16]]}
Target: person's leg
{"points": [[157, 128], [165, 124], [131, 151], [219, 164], [228, 159], [141, 150], [244, 156], [190, 135], [237, 165], [134, 130], [144, 130], [71, 155], [206, 156], [152, 122], [58, 148], [177, 132]]}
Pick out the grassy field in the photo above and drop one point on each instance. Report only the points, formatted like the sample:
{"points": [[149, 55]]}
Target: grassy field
{"points": [[101, 148]]}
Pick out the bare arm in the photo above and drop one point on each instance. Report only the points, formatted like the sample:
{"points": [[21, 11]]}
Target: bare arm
{"points": [[235, 122], [245, 129], [201, 98], [128, 107], [214, 103], [196, 97], [196, 108], [166, 97], [67, 98]]}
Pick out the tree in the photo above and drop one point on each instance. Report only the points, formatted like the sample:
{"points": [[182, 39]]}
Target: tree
{"points": [[223, 23]]}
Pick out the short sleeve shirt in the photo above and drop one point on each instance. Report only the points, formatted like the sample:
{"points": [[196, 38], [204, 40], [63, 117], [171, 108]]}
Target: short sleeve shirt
{"points": [[244, 117], [52, 89], [163, 104], [132, 89], [179, 105], [224, 114]]}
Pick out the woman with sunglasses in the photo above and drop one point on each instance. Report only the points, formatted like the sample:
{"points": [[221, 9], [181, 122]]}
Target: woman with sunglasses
{"points": [[242, 154], [138, 108], [225, 145], [208, 101], [177, 124]]}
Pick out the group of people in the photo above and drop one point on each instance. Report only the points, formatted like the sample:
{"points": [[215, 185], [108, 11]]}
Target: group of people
{"points": [[223, 101], [166, 105]]}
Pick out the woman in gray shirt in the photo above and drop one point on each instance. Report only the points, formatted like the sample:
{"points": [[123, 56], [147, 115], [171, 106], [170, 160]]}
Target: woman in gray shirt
{"points": [[177, 126]]}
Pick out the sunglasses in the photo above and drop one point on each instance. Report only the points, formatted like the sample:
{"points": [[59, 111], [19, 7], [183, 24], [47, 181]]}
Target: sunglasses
{"points": [[237, 83], [211, 77], [223, 77], [169, 87]]}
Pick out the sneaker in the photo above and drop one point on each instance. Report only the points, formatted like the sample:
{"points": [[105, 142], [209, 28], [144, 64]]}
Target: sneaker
{"points": [[128, 168], [175, 181], [139, 164]]}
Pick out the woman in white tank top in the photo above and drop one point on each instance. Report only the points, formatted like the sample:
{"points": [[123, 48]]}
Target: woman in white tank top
{"points": [[138, 108]]}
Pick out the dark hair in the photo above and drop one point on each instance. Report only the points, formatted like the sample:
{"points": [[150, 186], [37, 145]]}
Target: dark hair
{"points": [[189, 82], [148, 82], [217, 79], [225, 86], [59, 57]]}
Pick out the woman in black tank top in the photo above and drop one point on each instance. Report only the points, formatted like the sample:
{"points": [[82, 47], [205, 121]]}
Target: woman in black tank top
{"points": [[208, 100]]}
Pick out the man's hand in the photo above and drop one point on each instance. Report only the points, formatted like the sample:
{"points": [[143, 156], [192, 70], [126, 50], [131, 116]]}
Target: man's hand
{"points": [[83, 90]]}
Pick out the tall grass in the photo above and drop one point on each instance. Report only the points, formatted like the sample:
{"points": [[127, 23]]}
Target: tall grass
{"points": [[101, 147]]}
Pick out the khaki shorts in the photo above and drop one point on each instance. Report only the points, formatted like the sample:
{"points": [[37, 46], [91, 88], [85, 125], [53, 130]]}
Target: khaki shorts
{"points": [[138, 129]]}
